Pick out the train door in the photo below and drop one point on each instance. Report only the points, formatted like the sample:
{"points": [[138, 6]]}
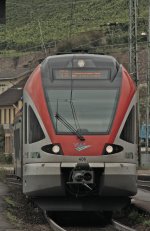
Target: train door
{"points": [[18, 147]]}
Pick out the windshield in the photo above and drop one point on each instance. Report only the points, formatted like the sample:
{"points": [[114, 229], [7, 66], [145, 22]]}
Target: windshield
{"points": [[94, 109]]}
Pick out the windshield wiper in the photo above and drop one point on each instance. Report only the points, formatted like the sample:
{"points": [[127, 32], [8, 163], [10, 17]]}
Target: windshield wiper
{"points": [[69, 126]]}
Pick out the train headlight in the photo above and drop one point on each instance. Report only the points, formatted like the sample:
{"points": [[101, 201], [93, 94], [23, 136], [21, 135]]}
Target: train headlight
{"points": [[56, 149], [53, 149], [112, 149], [109, 149]]}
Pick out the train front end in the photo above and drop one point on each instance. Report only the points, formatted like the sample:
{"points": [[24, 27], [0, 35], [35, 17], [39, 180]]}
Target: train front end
{"points": [[80, 131]]}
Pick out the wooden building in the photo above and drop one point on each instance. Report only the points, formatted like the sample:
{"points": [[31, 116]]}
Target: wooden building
{"points": [[14, 72], [10, 104]]}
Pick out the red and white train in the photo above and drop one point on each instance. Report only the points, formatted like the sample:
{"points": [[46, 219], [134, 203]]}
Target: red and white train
{"points": [[75, 141]]}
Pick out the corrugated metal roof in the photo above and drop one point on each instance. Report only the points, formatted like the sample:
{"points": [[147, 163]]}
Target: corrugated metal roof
{"points": [[13, 94]]}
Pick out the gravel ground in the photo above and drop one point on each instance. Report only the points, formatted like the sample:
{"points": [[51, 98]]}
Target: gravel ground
{"points": [[135, 218], [22, 213], [25, 216]]}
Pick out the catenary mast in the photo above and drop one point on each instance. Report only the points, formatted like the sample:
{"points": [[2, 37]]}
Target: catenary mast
{"points": [[133, 39], [133, 62], [148, 87]]}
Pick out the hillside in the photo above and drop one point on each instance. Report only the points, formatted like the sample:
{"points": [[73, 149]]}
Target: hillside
{"points": [[32, 22], [34, 25]]}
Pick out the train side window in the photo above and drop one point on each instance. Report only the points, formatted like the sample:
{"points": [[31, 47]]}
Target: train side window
{"points": [[25, 123], [128, 132], [35, 130], [17, 142]]}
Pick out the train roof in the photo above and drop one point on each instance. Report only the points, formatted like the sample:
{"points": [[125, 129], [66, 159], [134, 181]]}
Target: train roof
{"points": [[81, 61], [102, 58]]}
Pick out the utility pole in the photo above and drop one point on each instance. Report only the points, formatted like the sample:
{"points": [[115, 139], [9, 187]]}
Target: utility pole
{"points": [[42, 39], [133, 39], [133, 6], [148, 87]]}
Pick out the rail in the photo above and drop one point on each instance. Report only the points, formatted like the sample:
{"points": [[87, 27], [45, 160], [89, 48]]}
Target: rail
{"points": [[121, 227], [52, 223], [144, 184], [115, 225]]}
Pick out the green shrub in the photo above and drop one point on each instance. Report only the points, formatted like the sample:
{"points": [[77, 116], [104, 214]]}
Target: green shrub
{"points": [[55, 21], [6, 158], [146, 223]]}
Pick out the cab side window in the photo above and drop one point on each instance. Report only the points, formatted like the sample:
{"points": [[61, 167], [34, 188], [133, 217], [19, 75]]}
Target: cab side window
{"points": [[128, 132], [35, 131]]}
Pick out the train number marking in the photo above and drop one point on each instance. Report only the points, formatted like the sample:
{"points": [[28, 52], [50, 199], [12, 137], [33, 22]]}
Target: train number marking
{"points": [[82, 159], [35, 155], [129, 155]]}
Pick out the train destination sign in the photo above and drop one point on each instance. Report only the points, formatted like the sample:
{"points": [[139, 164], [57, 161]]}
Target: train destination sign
{"points": [[102, 74]]}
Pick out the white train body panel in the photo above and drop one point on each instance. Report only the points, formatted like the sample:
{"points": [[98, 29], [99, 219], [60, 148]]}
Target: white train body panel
{"points": [[59, 175]]}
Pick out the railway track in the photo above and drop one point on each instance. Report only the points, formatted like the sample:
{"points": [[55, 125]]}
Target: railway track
{"points": [[56, 226], [144, 182], [112, 226], [13, 180], [144, 185]]}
